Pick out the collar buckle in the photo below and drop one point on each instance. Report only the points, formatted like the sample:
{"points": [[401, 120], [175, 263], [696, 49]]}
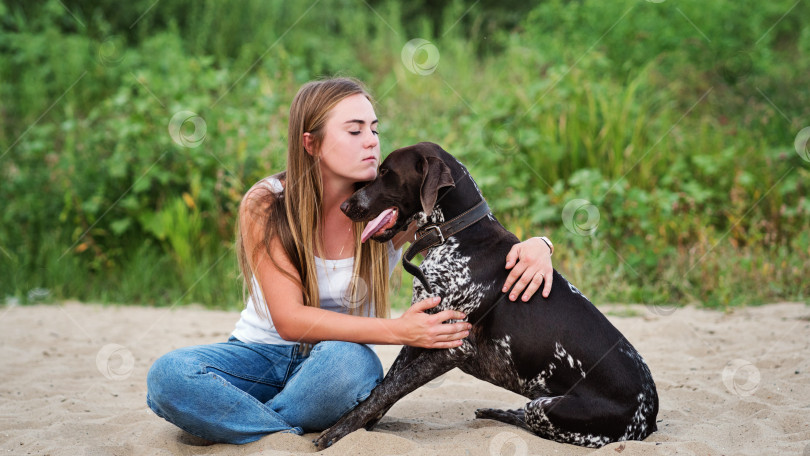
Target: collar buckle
{"points": [[438, 230]]}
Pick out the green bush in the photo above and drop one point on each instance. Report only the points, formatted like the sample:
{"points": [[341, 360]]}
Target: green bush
{"points": [[130, 131]]}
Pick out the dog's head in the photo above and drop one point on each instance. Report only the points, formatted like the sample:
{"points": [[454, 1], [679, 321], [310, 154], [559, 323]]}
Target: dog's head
{"points": [[408, 183]]}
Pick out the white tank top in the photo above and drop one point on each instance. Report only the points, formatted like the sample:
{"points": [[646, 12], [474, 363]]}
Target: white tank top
{"points": [[334, 277]]}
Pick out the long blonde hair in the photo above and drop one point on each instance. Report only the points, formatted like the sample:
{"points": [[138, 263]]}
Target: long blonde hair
{"points": [[294, 216]]}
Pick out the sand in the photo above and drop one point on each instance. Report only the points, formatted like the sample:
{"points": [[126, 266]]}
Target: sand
{"points": [[73, 383]]}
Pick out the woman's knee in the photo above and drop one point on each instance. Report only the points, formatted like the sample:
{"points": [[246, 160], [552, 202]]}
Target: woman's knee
{"points": [[357, 364], [169, 376], [337, 376]]}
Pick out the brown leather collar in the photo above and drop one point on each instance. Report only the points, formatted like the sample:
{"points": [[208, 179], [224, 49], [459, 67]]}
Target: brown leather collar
{"points": [[430, 236]]}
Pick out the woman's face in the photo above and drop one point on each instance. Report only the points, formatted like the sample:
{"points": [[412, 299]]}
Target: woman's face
{"points": [[351, 148]]}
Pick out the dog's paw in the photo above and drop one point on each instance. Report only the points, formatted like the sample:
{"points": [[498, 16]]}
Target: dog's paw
{"points": [[515, 417], [328, 438], [322, 443], [500, 415]]}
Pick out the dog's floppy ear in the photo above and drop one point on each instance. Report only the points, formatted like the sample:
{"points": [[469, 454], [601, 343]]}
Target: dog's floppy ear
{"points": [[435, 176]]}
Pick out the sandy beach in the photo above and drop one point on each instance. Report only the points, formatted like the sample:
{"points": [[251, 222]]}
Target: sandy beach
{"points": [[73, 383]]}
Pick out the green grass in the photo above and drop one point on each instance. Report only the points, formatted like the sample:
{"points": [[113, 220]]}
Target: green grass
{"points": [[675, 120]]}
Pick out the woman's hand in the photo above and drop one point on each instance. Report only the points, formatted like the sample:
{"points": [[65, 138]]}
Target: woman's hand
{"points": [[418, 329], [531, 262]]}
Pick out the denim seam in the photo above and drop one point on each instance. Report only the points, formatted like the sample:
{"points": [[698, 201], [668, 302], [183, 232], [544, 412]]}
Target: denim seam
{"points": [[293, 357], [208, 365], [248, 397]]}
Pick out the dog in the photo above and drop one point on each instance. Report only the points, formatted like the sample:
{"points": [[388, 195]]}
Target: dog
{"points": [[585, 382]]}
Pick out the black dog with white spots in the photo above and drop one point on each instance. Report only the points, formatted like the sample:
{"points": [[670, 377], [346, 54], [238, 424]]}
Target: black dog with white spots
{"points": [[585, 382]]}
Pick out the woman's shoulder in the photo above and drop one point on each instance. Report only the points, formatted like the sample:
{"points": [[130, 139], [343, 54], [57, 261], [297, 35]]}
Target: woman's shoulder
{"points": [[274, 183], [263, 193]]}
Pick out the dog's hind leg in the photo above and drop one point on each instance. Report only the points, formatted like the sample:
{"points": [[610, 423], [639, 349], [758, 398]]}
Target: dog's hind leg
{"points": [[585, 421], [513, 417]]}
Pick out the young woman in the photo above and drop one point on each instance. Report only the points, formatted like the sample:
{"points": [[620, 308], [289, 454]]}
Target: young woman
{"points": [[299, 357]]}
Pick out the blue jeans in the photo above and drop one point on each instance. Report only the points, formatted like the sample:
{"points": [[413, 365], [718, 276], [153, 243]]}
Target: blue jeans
{"points": [[235, 392]]}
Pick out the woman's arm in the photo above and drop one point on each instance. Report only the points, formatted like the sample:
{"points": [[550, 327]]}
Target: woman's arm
{"points": [[296, 322]]}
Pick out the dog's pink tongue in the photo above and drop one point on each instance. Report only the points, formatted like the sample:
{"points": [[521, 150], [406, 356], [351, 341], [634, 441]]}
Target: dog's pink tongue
{"points": [[374, 225]]}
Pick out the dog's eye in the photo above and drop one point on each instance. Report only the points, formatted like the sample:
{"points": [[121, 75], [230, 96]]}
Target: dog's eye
{"points": [[383, 171]]}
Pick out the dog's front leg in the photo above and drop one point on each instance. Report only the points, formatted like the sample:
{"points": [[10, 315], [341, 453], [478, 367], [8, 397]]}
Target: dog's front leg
{"points": [[403, 360], [417, 367], [406, 356]]}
